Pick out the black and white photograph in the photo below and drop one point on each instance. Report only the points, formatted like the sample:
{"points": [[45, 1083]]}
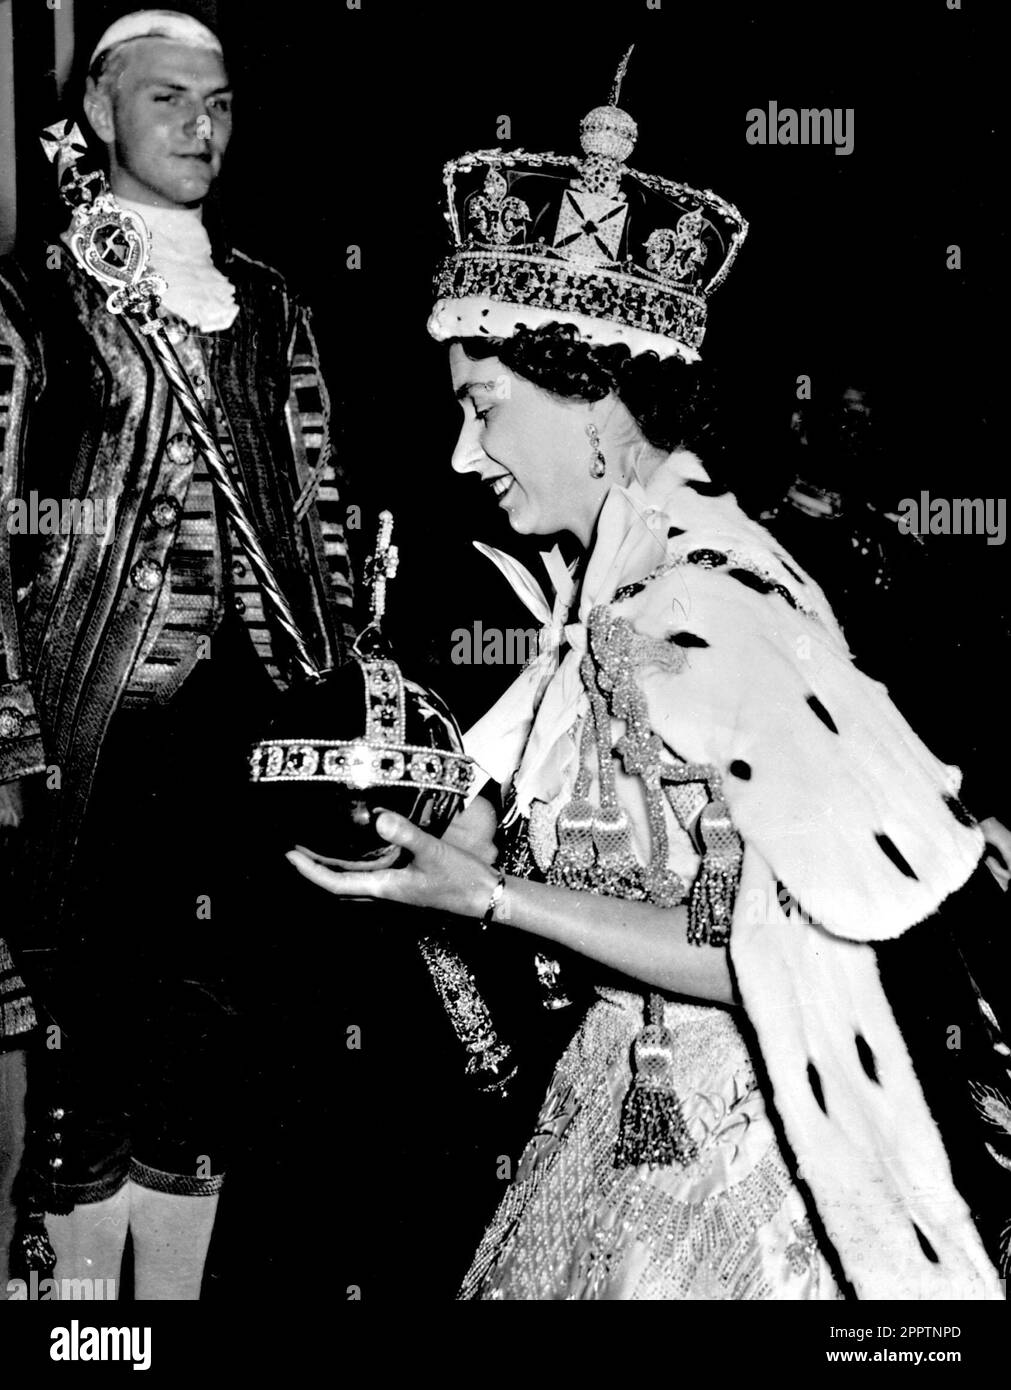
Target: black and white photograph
{"points": [[504, 624]]}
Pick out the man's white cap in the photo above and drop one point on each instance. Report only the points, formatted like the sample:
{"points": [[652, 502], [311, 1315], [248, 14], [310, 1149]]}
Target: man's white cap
{"points": [[157, 24]]}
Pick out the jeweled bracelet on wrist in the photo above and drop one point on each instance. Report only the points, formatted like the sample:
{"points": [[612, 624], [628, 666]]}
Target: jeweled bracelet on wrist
{"points": [[494, 902]]}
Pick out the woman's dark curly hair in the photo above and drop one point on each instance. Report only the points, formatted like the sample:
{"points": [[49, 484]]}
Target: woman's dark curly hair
{"points": [[672, 401]]}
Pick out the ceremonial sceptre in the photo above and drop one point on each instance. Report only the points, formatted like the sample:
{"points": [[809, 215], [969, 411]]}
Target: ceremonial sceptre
{"points": [[430, 772], [111, 244]]}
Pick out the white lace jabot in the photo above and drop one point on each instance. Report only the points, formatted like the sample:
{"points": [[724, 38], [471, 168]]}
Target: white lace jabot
{"points": [[181, 253]]}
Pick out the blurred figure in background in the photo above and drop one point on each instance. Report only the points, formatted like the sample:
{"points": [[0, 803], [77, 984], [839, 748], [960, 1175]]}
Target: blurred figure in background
{"points": [[890, 587]]}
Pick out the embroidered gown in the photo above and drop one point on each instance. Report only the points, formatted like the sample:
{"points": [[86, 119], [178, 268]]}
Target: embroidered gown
{"points": [[730, 1225], [698, 653]]}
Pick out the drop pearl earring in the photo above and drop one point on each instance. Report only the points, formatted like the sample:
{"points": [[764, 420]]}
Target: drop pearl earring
{"points": [[598, 463]]}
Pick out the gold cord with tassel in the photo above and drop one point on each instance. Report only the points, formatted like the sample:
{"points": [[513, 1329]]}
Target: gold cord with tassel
{"points": [[652, 1129], [711, 905]]}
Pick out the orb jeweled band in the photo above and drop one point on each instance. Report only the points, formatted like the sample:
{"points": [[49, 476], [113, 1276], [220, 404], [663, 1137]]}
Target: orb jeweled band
{"points": [[358, 763], [384, 702], [381, 758]]}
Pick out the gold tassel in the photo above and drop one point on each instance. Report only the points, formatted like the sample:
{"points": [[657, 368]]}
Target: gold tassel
{"points": [[711, 904], [652, 1128]]}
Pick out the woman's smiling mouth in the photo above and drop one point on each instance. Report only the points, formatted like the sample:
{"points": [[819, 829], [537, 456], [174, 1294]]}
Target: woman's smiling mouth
{"points": [[501, 484]]}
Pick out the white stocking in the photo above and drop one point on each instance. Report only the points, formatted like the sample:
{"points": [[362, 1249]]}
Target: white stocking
{"points": [[89, 1242], [170, 1239]]}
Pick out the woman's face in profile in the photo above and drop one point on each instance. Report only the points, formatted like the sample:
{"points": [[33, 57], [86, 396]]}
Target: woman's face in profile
{"points": [[530, 448]]}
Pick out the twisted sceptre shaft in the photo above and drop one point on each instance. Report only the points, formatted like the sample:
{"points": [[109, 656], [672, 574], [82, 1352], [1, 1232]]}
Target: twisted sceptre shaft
{"points": [[111, 244], [232, 499]]}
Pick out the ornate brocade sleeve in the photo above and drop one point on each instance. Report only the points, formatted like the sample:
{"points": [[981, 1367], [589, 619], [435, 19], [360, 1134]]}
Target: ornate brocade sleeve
{"points": [[21, 748], [320, 501]]}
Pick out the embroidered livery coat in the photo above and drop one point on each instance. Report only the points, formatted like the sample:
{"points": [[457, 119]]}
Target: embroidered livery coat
{"points": [[86, 414]]}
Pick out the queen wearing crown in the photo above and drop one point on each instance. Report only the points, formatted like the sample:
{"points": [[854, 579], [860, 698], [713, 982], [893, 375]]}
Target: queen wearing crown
{"points": [[705, 799]]}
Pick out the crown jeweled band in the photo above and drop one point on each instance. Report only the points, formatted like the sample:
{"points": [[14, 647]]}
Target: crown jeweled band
{"points": [[623, 256]]}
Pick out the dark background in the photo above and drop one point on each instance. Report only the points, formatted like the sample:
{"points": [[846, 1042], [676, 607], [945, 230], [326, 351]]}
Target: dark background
{"points": [[343, 121]]}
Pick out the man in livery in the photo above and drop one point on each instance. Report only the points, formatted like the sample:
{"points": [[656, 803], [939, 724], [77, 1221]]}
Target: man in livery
{"points": [[137, 658]]}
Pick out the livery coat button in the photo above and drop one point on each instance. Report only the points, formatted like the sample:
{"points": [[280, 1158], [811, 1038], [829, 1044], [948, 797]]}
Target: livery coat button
{"points": [[146, 575], [239, 604], [10, 722], [56, 1162], [57, 1113], [166, 510], [181, 448]]}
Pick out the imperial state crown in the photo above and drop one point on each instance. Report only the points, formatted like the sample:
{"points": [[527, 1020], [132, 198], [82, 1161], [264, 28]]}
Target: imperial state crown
{"points": [[621, 255]]}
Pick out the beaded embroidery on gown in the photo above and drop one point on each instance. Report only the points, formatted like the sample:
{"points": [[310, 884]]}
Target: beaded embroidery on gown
{"points": [[581, 1221], [731, 1225]]}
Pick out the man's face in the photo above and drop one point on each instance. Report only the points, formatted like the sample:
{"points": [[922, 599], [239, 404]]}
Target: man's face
{"points": [[167, 121]]}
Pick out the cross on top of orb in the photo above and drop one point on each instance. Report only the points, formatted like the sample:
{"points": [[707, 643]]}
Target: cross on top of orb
{"points": [[381, 566]]}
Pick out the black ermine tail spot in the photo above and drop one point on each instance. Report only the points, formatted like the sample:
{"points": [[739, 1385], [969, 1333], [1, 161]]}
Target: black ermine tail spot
{"points": [[926, 1246], [961, 814], [867, 1058], [688, 639], [790, 570], [822, 713], [751, 581], [888, 847], [814, 1080]]}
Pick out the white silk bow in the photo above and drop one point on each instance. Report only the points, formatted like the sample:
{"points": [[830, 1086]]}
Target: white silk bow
{"points": [[497, 740], [526, 731]]}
